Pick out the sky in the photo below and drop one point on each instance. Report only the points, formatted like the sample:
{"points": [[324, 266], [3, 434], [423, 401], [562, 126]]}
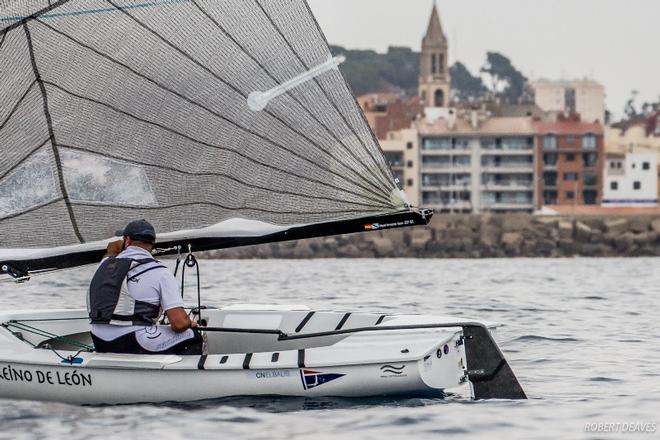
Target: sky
{"points": [[615, 42]]}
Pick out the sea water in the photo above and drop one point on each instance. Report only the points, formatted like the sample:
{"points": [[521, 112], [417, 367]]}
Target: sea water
{"points": [[582, 335]]}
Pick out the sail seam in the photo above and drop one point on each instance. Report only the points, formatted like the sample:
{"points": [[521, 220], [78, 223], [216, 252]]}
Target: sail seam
{"points": [[51, 132], [292, 96], [34, 208], [228, 208], [237, 90], [20, 162], [382, 194], [17, 105], [387, 180], [348, 87], [207, 174], [34, 16], [216, 147]]}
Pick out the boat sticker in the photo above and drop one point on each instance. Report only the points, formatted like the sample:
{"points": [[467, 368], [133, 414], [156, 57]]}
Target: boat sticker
{"points": [[269, 374], [377, 226], [313, 379], [66, 377], [387, 371]]}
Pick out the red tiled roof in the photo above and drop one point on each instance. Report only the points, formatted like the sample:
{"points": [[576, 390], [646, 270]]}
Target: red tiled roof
{"points": [[568, 127]]}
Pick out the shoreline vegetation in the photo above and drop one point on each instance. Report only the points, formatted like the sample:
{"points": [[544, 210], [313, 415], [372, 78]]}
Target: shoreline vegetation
{"points": [[480, 236]]}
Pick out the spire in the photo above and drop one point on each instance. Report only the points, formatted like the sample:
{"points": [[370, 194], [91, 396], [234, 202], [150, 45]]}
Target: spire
{"points": [[434, 33]]}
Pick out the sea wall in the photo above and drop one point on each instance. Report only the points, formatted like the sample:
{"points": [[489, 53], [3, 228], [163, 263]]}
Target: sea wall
{"points": [[480, 236]]}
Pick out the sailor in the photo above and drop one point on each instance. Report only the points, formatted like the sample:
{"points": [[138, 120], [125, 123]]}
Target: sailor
{"points": [[127, 294]]}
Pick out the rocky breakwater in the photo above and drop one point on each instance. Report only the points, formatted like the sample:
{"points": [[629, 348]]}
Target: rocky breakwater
{"points": [[480, 236]]}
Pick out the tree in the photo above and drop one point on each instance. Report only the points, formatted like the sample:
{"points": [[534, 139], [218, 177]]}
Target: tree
{"points": [[465, 86], [505, 81], [631, 107], [368, 71]]}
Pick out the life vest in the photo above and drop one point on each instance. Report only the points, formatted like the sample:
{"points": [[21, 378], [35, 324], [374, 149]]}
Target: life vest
{"points": [[108, 300]]}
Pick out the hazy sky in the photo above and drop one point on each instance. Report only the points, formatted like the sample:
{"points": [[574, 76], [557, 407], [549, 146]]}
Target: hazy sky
{"points": [[616, 42]]}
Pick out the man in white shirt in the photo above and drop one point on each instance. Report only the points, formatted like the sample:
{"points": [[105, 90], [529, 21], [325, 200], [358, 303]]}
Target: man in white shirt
{"points": [[126, 296]]}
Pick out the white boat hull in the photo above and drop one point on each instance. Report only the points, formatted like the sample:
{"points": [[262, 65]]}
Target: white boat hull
{"points": [[391, 357]]}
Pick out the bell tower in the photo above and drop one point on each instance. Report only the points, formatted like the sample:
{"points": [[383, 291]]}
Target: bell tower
{"points": [[434, 82]]}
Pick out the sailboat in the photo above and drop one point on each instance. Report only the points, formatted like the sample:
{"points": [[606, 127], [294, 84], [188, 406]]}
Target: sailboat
{"points": [[225, 123]]}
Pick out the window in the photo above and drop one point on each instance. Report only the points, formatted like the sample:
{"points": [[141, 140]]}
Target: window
{"points": [[590, 159], [437, 144], [409, 182], [570, 195], [570, 140], [634, 165], [590, 180], [434, 64], [94, 178], [409, 164], [409, 145], [589, 142], [395, 159], [590, 197], [637, 185], [17, 196], [550, 142], [614, 186], [570, 157], [570, 177], [441, 63], [618, 165], [550, 179], [550, 159], [646, 166]]}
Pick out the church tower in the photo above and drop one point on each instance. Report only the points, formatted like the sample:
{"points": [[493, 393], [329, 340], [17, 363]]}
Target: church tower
{"points": [[434, 82]]}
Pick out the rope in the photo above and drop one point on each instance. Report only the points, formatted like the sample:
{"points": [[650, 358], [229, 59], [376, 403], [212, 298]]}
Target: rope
{"points": [[44, 333]]}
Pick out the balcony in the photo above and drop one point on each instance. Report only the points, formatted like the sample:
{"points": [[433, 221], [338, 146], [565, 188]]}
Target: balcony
{"points": [[508, 168], [457, 187], [508, 186], [505, 206], [507, 153]]}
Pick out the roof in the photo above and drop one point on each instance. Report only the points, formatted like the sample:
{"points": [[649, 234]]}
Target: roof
{"points": [[434, 34], [568, 127], [492, 126]]}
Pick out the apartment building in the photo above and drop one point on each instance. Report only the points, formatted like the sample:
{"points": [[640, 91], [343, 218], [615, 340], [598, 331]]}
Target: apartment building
{"points": [[570, 160], [401, 149], [473, 163]]}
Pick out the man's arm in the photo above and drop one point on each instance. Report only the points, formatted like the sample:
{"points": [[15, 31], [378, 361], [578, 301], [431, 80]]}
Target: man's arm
{"points": [[179, 319], [172, 303]]}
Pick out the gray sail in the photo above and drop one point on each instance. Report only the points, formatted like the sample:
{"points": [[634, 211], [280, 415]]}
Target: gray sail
{"points": [[120, 109]]}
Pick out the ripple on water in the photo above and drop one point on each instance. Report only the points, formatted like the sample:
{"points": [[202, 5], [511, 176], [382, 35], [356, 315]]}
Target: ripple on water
{"points": [[546, 307]]}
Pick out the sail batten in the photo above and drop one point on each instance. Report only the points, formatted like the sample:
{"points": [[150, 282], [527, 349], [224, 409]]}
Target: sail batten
{"points": [[125, 109]]}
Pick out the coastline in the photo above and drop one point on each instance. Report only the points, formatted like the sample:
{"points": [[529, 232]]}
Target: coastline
{"points": [[480, 236]]}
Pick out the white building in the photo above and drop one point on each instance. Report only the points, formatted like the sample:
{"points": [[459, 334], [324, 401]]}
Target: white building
{"points": [[472, 163], [631, 180], [585, 97]]}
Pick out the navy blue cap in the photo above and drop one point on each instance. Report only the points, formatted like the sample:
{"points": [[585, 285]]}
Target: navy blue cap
{"points": [[138, 230]]}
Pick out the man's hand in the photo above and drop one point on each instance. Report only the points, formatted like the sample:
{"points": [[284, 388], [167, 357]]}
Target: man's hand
{"points": [[114, 248]]}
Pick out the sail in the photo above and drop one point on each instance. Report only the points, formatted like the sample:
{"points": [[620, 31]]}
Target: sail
{"points": [[189, 113]]}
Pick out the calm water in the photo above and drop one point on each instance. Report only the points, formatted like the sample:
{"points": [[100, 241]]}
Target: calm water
{"points": [[583, 336]]}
